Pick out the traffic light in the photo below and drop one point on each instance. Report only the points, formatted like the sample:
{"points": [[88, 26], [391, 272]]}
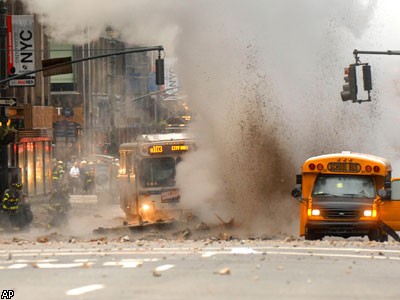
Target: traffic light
{"points": [[350, 87], [159, 71], [367, 78]]}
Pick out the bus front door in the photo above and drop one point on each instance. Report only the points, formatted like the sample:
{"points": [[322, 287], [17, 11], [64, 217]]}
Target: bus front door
{"points": [[390, 209]]}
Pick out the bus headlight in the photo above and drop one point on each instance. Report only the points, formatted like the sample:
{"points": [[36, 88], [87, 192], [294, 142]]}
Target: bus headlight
{"points": [[370, 213], [146, 207], [314, 212]]}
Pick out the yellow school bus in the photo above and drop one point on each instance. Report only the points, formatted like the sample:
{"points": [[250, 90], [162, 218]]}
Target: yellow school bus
{"points": [[347, 194], [147, 169]]}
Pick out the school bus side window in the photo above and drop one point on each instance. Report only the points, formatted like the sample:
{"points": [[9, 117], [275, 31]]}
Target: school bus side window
{"points": [[396, 190]]}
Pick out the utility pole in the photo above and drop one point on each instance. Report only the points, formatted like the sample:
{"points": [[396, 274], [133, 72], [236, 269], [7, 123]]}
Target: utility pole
{"points": [[3, 116]]}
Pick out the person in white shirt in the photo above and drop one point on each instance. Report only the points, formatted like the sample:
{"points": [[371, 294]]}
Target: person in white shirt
{"points": [[74, 178]]}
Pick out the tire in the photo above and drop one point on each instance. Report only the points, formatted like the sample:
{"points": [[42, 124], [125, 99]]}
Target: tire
{"points": [[312, 236], [375, 235], [384, 237]]}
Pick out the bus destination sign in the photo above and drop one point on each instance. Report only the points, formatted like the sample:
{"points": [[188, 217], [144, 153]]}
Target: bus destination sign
{"points": [[168, 149], [344, 167]]}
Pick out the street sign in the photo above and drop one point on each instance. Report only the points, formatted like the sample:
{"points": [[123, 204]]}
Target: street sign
{"points": [[22, 82], [8, 101]]}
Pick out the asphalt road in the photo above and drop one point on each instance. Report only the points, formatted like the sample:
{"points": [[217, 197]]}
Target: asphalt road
{"points": [[201, 270], [74, 263]]}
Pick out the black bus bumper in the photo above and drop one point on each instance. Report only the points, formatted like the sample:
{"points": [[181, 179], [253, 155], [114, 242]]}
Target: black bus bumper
{"points": [[343, 229]]}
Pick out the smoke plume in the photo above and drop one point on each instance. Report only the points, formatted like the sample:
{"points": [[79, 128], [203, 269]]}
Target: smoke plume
{"points": [[263, 79]]}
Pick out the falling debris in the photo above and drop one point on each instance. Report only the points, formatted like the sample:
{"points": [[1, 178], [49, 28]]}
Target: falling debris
{"points": [[42, 239], [202, 226], [183, 234], [224, 236], [228, 224], [156, 273], [125, 239], [86, 265], [223, 271]]}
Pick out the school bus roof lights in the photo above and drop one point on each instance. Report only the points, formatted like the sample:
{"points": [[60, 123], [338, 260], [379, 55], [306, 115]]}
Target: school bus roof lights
{"points": [[369, 169]]}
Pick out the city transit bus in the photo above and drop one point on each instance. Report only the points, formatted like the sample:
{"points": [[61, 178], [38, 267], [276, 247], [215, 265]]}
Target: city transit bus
{"points": [[147, 169], [348, 194]]}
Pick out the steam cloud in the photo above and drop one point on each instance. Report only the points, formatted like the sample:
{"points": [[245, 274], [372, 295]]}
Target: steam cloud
{"points": [[263, 78]]}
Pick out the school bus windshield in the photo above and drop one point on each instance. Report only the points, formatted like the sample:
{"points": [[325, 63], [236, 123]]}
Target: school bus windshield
{"points": [[344, 186], [157, 172]]}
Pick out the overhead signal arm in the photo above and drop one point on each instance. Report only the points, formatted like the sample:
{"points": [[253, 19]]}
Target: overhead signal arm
{"points": [[63, 65], [351, 79]]}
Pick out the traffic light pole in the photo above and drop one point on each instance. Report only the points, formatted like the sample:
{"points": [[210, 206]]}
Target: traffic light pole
{"points": [[133, 50]]}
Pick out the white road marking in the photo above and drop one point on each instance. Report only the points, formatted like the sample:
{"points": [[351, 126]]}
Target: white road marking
{"points": [[163, 268], [144, 259], [61, 266], [243, 250], [124, 264], [21, 261], [378, 251], [209, 254], [84, 289], [78, 260], [17, 266]]}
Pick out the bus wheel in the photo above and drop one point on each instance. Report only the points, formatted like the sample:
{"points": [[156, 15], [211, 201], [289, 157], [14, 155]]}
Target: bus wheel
{"points": [[384, 237], [312, 236], [377, 235]]}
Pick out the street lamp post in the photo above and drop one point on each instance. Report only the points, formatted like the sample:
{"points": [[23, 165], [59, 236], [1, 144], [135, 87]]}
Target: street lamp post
{"points": [[3, 117], [112, 34]]}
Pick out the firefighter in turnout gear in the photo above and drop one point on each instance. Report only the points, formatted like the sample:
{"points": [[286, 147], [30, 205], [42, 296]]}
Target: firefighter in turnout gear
{"points": [[58, 172], [89, 179], [16, 212], [59, 206]]}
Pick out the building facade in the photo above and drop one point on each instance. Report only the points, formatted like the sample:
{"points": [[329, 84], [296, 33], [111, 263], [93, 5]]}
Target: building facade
{"points": [[101, 104]]}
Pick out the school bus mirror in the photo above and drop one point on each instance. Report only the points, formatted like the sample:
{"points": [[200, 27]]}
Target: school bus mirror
{"points": [[385, 194], [388, 183], [296, 193], [299, 179]]}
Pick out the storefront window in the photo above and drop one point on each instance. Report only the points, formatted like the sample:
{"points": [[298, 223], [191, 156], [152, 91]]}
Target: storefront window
{"points": [[39, 168], [12, 148], [21, 160], [30, 168], [47, 166]]}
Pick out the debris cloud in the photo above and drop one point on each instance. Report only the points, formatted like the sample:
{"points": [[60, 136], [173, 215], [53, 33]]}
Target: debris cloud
{"points": [[263, 79]]}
